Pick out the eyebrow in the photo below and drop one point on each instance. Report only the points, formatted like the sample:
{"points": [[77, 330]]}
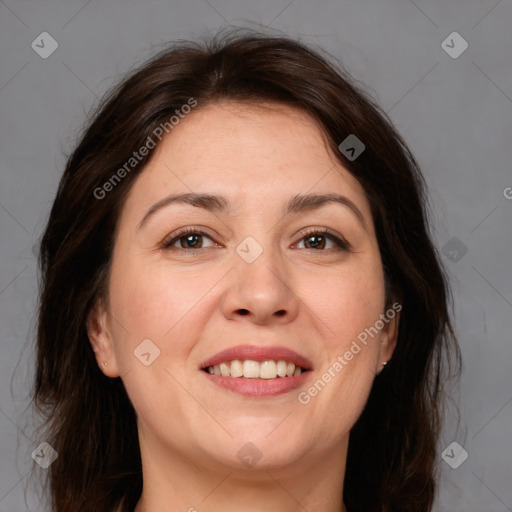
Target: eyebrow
{"points": [[213, 203]]}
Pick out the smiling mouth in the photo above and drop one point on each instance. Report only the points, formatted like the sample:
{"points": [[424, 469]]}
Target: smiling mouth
{"points": [[250, 369]]}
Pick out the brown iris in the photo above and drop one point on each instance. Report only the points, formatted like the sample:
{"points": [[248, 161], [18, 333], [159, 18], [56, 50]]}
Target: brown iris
{"points": [[318, 241]]}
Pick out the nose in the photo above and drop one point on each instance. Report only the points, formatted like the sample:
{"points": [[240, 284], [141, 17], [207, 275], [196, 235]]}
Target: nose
{"points": [[260, 292]]}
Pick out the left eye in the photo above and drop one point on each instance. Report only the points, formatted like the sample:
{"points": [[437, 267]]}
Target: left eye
{"points": [[320, 241]]}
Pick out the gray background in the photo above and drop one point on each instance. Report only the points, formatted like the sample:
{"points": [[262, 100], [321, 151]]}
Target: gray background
{"points": [[456, 115]]}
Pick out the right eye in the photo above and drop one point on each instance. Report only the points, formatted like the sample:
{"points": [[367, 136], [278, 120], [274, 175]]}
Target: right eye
{"points": [[189, 239]]}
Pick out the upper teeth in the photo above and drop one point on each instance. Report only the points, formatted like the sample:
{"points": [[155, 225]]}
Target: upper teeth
{"points": [[255, 370]]}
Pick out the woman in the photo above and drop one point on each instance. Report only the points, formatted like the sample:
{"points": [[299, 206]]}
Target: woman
{"points": [[241, 307]]}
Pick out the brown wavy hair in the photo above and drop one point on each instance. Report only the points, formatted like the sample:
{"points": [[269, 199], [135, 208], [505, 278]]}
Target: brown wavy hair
{"points": [[88, 417]]}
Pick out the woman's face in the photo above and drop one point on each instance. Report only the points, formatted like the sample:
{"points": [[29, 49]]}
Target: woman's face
{"points": [[278, 262]]}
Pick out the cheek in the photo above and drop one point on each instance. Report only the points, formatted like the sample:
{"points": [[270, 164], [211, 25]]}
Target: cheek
{"points": [[347, 302], [157, 303], [350, 306], [163, 306]]}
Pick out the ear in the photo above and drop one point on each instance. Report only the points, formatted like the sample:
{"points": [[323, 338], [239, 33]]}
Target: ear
{"points": [[100, 337], [389, 335]]}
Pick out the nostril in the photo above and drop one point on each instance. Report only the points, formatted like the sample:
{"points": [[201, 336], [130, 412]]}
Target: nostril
{"points": [[244, 312]]}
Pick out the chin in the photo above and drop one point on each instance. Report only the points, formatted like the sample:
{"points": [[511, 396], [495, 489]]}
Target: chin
{"points": [[256, 449]]}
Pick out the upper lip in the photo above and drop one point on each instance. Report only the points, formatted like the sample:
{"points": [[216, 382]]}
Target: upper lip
{"points": [[260, 354]]}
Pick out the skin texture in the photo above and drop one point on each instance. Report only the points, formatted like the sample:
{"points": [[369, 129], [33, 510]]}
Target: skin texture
{"points": [[193, 305]]}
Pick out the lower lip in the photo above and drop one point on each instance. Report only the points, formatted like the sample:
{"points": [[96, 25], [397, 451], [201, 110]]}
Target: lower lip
{"points": [[258, 387]]}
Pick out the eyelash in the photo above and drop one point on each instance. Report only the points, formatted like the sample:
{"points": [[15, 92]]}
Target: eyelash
{"points": [[169, 241]]}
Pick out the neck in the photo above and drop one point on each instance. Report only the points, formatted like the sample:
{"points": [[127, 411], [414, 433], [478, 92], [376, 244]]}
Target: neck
{"points": [[173, 482]]}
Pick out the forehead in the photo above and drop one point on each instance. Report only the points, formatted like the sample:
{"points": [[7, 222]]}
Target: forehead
{"points": [[246, 153], [224, 133]]}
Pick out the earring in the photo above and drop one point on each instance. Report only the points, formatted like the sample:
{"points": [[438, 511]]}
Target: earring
{"points": [[384, 363], [105, 363]]}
